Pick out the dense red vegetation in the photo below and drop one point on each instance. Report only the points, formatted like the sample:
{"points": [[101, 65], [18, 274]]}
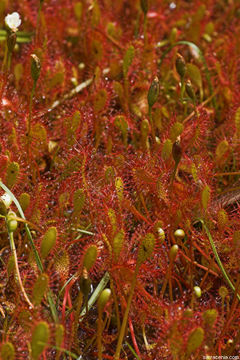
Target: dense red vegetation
{"points": [[106, 172]]}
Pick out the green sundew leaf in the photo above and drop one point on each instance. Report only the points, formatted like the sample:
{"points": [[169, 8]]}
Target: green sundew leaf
{"points": [[237, 121], [236, 239], [118, 88], [24, 201], [39, 134], [12, 174], [209, 317], [194, 172], [39, 340], [195, 340], [113, 219], [39, 289], [72, 166], [118, 242], [59, 333], [48, 241], [109, 174], [167, 149], [221, 149], [78, 10], [127, 60], [119, 188], [222, 219], [121, 123], [56, 80], [146, 248], [72, 125], [100, 100], [18, 72], [176, 130], [205, 197], [78, 201], [7, 351], [194, 74], [96, 14], [97, 50], [76, 119], [90, 257]]}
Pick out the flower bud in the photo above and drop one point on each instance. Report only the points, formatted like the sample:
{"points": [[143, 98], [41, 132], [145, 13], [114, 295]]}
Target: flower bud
{"points": [[103, 299], [144, 6], [180, 65], [35, 67], [11, 221], [179, 234], [177, 150], [197, 291], [173, 253], [11, 41], [189, 90], [153, 92], [85, 283]]}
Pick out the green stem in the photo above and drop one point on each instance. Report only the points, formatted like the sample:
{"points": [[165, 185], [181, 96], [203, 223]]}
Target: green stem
{"points": [[145, 29], [152, 124], [30, 108], [99, 335], [125, 318], [229, 282]]}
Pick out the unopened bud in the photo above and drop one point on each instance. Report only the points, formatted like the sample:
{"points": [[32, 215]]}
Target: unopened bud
{"points": [[85, 283], [197, 291], [144, 6], [153, 92], [189, 90], [35, 67], [173, 253], [179, 234], [11, 221], [11, 41], [180, 65], [177, 151], [161, 234], [103, 299]]}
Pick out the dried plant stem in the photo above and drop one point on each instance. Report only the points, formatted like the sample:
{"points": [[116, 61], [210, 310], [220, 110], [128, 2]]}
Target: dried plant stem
{"points": [[14, 252]]}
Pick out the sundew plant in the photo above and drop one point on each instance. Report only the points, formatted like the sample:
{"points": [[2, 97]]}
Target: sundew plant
{"points": [[119, 179]]}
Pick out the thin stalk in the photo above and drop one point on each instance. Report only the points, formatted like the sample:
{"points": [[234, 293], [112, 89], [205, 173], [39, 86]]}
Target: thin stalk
{"points": [[30, 108], [39, 15], [14, 252], [225, 275], [35, 252], [99, 335], [145, 30], [125, 318], [152, 124]]}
